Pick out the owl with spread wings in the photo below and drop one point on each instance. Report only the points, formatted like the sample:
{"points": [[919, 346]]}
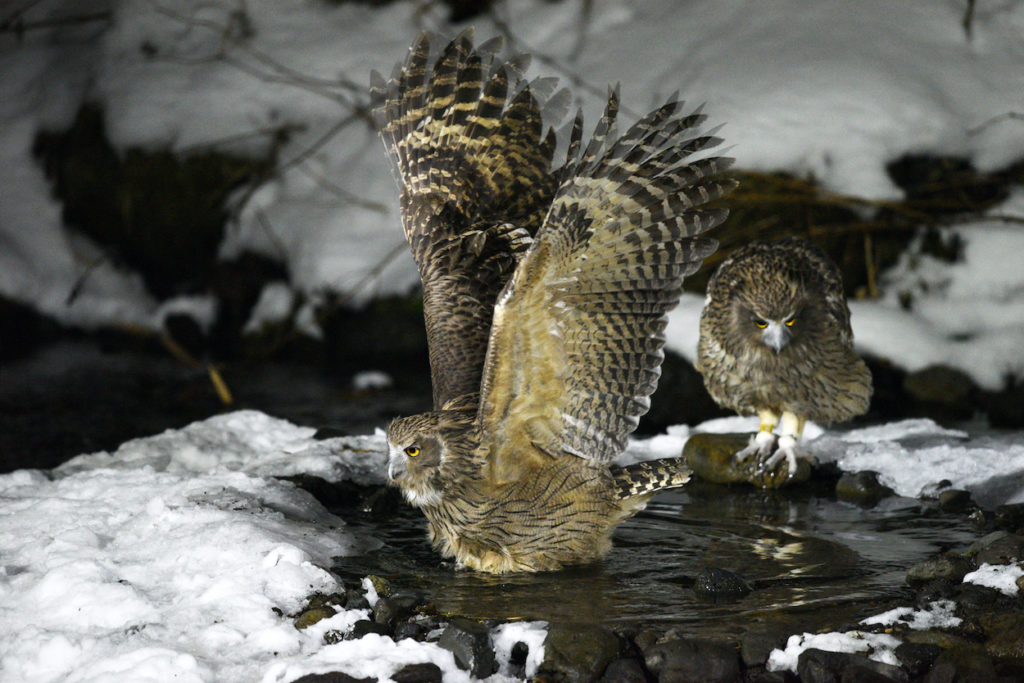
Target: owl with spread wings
{"points": [[545, 293]]}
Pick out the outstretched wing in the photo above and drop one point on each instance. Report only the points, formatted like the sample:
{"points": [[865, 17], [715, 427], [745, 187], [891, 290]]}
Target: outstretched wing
{"points": [[576, 343], [474, 169]]}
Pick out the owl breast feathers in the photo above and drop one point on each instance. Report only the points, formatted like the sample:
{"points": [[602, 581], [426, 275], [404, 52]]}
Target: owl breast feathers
{"points": [[775, 340], [545, 292]]}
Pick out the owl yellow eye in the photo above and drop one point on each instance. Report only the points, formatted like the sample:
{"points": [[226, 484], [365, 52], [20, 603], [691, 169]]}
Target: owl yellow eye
{"points": [[789, 323], [761, 323], [412, 451]]}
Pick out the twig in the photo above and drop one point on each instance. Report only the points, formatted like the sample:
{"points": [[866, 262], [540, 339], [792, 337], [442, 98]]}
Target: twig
{"points": [[268, 229], [268, 131], [322, 140], [15, 24], [341, 192], [968, 20], [1008, 116], [278, 72], [554, 63], [373, 273], [870, 267], [76, 289]]}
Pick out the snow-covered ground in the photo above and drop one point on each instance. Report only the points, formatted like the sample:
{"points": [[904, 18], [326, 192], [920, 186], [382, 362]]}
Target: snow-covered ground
{"points": [[179, 556], [833, 89], [167, 559]]}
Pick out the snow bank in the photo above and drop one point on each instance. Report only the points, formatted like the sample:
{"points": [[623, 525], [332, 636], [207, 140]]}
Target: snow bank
{"points": [[835, 90], [180, 556]]}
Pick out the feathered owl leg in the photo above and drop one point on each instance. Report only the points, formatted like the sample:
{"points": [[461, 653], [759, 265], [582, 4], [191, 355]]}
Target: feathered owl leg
{"points": [[791, 427], [761, 443]]}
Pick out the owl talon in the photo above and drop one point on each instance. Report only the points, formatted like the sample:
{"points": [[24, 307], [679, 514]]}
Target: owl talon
{"points": [[787, 452], [760, 446]]}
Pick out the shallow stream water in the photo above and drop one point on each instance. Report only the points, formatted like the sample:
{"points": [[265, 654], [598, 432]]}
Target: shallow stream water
{"points": [[813, 562]]}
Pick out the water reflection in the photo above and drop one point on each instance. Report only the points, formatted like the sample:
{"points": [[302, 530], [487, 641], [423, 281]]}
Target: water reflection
{"points": [[810, 559]]}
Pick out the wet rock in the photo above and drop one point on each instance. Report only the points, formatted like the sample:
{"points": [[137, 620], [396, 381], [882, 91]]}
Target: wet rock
{"points": [[310, 616], [1005, 639], [941, 639], [942, 392], [711, 456], [998, 547], [956, 500], [961, 664], [577, 652], [862, 488], [917, 658], [974, 597], [381, 585], [517, 659], [356, 599], [389, 611], [755, 646], [645, 638], [945, 567], [418, 673], [410, 629], [332, 677], [364, 627], [820, 666], [470, 642], [714, 582], [762, 676], [624, 670], [676, 661]]}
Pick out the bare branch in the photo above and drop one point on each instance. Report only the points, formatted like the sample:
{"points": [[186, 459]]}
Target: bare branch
{"points": [[1008, 116]]}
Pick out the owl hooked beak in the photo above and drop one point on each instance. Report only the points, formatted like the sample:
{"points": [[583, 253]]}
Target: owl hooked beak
{"points": [[396, 464], [775, 335]]}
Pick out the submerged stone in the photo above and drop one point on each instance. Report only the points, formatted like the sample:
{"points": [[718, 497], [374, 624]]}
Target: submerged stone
{"points": [[712, 458], [714, 582]]}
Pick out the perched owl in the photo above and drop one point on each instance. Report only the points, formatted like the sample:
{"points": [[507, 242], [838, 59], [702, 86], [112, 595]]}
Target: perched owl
{"points": [[545, 291], [775, 340]]}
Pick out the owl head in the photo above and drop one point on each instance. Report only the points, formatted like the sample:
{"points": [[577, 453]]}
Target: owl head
{"points": [[416, 451], [775, 310]]}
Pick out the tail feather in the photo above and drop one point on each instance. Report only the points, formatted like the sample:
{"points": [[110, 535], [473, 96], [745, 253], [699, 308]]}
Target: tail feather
{"points": [[648, 477]]}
